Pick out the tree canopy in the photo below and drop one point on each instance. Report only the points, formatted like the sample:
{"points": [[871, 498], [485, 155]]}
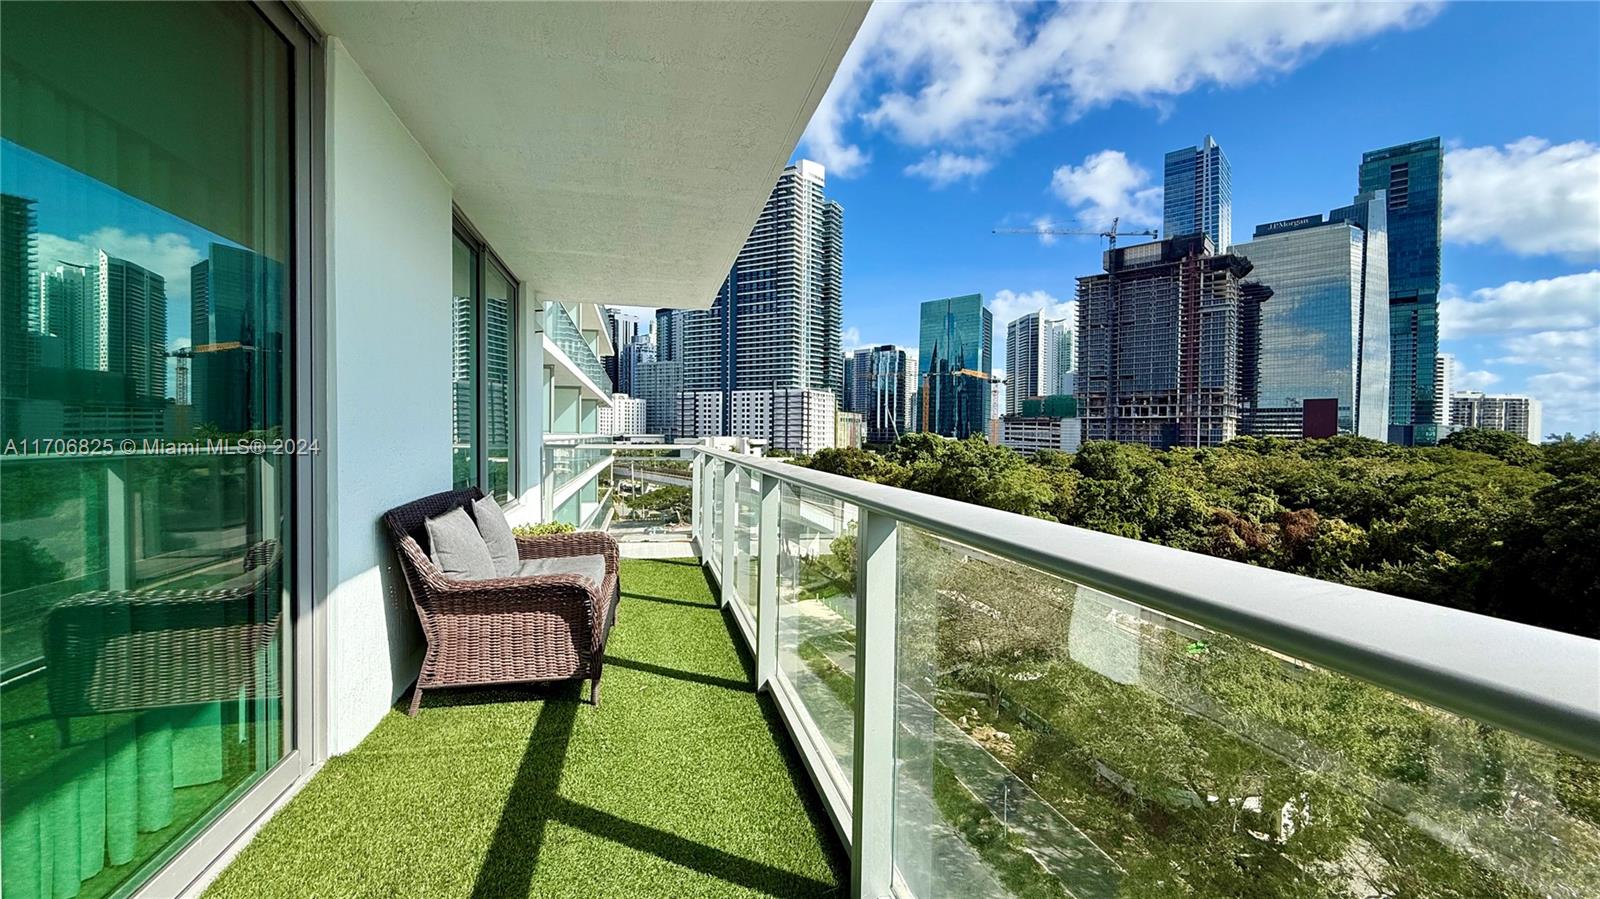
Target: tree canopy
{"points": [[1483, 522]]}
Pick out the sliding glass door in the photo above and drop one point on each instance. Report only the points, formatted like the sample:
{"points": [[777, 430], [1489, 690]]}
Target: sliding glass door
{"points": [[483, 326], [149, 431]]}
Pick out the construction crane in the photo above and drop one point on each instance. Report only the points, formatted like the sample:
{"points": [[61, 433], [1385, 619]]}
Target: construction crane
{"points": [[1110, 234]]}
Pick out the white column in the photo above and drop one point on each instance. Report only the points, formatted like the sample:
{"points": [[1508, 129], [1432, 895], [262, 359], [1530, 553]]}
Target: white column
{"points": [[697, 471], [872, 803], [767, 536]]}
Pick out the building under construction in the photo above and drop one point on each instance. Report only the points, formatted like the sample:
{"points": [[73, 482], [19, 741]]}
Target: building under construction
{"points": [[1166, 344]]}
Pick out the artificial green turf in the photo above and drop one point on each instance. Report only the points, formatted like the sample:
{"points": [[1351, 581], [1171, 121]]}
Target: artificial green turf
{"points": [[681, 783]]}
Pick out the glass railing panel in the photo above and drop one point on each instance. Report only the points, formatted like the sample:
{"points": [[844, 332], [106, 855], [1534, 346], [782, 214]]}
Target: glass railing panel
{"points": [[564, 333], [1054, 740], [817, 614], [567, 461], [714, 476], [746, 563]]}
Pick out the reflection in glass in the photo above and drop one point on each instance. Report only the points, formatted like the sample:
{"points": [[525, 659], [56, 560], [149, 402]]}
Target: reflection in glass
{"points": [[1058, 741], [817, 614], [464, 363], [500, 366], [746, 561], [145, 232]]}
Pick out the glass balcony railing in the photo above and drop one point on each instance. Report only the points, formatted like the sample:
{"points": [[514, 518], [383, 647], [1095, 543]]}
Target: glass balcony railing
{"points": [[564, 333], [993, 705], [567, 460]]}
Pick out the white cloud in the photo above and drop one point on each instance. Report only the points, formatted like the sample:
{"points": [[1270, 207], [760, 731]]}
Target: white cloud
{"points": [[1564, 302], [1478, 379], [1570, 401], [850, 339], [1530, 197], [944, 169], [1108, 185], [1570, 351], [1007, 306], [960, 74]]}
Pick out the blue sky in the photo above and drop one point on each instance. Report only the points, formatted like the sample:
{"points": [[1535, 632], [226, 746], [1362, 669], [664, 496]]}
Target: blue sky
{"points": [[947, 120]]}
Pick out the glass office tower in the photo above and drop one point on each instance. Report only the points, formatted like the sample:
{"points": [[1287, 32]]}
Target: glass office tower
{"points": [[1198, 194], [1413, 177], [956, 366], [1325, 333]]}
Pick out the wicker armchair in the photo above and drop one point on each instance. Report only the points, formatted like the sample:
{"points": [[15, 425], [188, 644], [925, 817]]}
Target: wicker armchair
{"points": [[505, 630]]}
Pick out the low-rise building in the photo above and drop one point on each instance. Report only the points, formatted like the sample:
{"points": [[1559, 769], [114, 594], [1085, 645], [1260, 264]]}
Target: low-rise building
{"points": [[1520, 415]]}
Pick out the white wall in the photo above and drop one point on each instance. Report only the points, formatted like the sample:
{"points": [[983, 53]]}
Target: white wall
{"points": [[388, 264]]}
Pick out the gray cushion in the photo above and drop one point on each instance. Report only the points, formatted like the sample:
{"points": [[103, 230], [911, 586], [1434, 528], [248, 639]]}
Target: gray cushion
{"points": [[496, 532], [591, 567], [455, 545]]}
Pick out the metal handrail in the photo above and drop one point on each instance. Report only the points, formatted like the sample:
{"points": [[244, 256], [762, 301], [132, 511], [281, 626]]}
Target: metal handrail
{"points": [[1540, 683]]}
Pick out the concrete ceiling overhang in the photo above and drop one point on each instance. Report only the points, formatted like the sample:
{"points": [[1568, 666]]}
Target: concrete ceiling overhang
{"points": [[610, 152]]}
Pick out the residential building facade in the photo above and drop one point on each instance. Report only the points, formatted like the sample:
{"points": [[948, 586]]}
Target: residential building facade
{"points": [[775, 322], [793, 420], [1057, 341], [1162, 337], [955, 366], [1519, 415], [1412, 178], [1325, 333], [1028, 434], [626, 417], [1198, 194], [1025, 359]]}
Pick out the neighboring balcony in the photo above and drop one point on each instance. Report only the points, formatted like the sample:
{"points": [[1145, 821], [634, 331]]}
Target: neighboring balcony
{"points": [[575, 465], [566, 344], [905, 695]]}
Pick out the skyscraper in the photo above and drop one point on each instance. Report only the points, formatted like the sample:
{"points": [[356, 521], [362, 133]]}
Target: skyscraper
{"points": [[1163, 344], [1444, 376], [18, 239], [1412, 175], [1325, 335], [69, 304], [622, 329], [133, 324], [1198, 194], [883, 388], [629, 355], [669, 334], [1025, 360], [776, 320], [955, 366], [1057, 378], [236, 298]]}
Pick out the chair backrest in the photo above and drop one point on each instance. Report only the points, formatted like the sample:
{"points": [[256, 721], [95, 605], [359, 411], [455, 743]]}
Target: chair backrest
{"points": [[410, 520]]}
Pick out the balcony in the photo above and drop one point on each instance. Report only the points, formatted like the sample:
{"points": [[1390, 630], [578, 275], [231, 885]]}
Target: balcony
{"points": [[970, 702], [680, 783], [563, 332]]}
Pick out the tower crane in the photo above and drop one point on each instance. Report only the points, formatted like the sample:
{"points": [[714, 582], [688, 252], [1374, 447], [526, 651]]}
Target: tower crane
{"points": [[1110, 234]]}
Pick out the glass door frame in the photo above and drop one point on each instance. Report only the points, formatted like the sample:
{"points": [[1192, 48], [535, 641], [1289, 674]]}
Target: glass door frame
{"points": [[462, 229], [179, 870]]}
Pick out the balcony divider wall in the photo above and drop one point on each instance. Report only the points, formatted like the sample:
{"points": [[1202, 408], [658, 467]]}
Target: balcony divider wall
{"points": [[995, 705]]}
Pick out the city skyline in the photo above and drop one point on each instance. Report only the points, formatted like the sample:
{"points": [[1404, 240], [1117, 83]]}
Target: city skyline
{"points": [[926, 185]]}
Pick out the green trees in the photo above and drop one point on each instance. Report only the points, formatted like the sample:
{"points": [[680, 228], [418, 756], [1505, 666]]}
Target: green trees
{"points": [[1483, 522]]}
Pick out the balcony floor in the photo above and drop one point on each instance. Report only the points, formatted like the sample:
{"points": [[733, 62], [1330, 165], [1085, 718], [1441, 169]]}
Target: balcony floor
{"points": [[682, 783]]}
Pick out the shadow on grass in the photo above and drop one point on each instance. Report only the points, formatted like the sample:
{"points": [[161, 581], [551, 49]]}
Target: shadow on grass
{"points": [[668, 600], [514, 852], [695, 677], [708, 860]]}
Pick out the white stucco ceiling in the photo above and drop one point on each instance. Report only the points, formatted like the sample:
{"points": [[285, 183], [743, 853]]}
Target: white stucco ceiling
{"points": [[609, 152]]}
